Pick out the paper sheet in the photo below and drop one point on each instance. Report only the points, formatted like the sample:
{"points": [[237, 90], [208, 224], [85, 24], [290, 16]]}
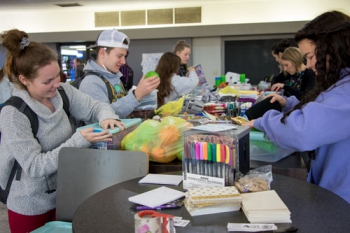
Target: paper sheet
{"points": [[161, 179], [157, 197]]}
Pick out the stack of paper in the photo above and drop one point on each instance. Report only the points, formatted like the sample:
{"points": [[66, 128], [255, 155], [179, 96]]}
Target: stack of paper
{"points": [[161, 179], [265, 207], [210, 200], [157, 197]]}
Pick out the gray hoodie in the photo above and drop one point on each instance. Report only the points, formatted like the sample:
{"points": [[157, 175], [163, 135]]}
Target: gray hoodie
{"points": [[39, 161], [96, 88]]}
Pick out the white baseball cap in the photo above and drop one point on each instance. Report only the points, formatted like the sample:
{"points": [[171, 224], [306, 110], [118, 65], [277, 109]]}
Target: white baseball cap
{"points": [[112, 38]]}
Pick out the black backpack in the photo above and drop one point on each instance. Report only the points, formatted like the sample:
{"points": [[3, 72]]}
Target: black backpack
{"points": [[76, 83], [17, 102]]}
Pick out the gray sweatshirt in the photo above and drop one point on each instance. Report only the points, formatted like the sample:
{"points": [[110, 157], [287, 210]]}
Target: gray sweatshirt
{"points": [[182, 85], [39, 161], [96, 88]]}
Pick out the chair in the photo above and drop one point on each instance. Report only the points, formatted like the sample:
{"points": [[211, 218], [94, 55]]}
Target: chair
{"points": [[84, 172]]}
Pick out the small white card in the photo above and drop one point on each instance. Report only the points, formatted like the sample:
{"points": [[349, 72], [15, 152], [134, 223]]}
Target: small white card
{"points": [[157, 197], [251, 227], [161, 179]]}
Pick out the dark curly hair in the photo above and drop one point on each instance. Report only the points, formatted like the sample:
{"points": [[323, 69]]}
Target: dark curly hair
{"points": [[330, 32], [280, 46]]}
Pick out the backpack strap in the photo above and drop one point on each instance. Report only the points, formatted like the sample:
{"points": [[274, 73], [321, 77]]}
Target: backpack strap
{"points": [[22, 106], [109, 86], [65, 100]]}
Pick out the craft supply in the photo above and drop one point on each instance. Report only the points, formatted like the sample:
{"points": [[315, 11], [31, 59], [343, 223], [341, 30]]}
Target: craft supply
{"points": [[150, 221], [210, 155]]}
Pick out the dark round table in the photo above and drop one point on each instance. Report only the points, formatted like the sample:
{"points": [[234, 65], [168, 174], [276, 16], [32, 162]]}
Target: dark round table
{"points": [[313, 209]]}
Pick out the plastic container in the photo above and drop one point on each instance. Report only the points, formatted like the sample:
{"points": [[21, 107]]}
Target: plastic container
{"points": [[262, 149], [55, 227], [212, 157], [118, 135]]}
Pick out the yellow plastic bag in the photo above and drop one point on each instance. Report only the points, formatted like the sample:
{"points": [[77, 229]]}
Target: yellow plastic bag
{"points": [[161, 141], [171, 108], [229, 90]]}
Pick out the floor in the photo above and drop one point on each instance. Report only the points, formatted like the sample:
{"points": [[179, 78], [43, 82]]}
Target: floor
{"points": [[4, 226]]}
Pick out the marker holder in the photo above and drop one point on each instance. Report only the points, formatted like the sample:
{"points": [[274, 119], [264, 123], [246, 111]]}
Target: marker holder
{"points": [[213, 158]]}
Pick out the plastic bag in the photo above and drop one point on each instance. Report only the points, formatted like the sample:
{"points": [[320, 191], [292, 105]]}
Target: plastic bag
{"points": [[161, 141], [171, 108], [255, 180], [229, 90]]}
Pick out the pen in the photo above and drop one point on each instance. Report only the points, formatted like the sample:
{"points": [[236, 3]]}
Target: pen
{"points": [[193, 156], [232, 169], [213, 154], [210, 163], [205, 157], [228, 169], [223, 161], [197, 157], [218, 159], [185, 161], [166, 206]]}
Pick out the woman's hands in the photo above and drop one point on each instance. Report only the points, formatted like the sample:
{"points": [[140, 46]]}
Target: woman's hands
{"points": [[277, 86], [92, 136], [276, 97], [110, 123], [103, 136], [249, 124]]}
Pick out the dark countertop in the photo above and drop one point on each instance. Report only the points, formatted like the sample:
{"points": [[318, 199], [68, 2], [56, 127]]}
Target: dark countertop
{"points": [[313, 209]]}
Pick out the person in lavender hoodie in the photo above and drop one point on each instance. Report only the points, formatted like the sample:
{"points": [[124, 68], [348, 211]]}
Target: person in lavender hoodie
{"points": [[320, 121]]}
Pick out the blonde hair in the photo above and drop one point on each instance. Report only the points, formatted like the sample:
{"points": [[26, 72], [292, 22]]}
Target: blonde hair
{"points": [[294, 55], [181, 45]]}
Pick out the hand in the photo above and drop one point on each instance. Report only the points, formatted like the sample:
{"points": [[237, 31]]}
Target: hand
{"points": [[277, 86], [191, 69], [249, 124], [110, 123], [92, 136], [146, 86], [276, 97]]}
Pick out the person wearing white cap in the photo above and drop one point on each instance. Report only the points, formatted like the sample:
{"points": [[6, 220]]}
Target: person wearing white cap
{"points": [[111, 48]]}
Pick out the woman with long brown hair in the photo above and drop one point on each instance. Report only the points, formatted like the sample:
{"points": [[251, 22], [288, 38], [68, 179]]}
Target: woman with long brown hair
{"points": [[173, 86]]}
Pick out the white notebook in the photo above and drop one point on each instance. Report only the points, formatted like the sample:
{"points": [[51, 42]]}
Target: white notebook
{"points": [[161, 179], [157, 197]]}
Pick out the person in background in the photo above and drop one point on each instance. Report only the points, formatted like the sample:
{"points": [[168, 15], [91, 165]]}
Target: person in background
{"points": [[128, 74], [79, 68], [277, 51], [299, 79], [111, 48], [320, 121], [183, 50], [63, 77], [173, 86], [34, 70], [5, 87]]}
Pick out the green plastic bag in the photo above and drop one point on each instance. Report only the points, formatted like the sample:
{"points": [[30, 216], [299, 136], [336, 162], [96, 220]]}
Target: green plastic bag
{"points": [[161, 141]]}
